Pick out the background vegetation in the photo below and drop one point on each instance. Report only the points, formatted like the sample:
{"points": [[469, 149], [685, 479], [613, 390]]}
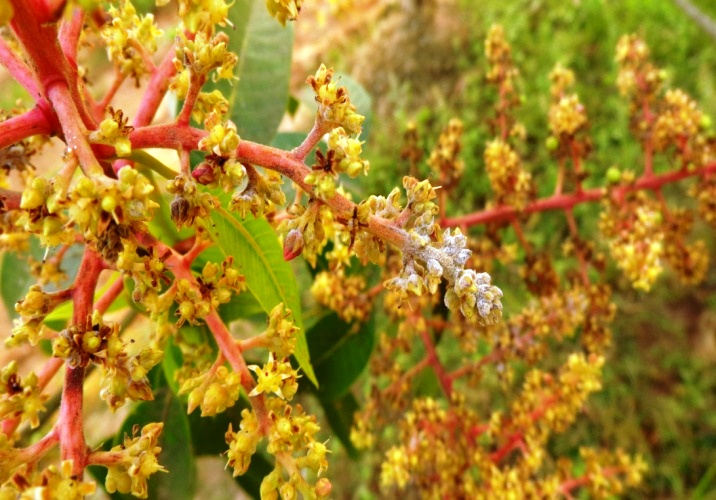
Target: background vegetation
{"points": [[659, 391]]}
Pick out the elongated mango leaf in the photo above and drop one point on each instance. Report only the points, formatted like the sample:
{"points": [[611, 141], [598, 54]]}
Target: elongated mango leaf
{"points": [[339, 413], [339, 354], [258, 99], [256, 250]]}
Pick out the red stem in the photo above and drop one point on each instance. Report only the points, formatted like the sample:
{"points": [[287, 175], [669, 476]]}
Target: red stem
{"points": [[319, 129], [440, 372], [567, 201], [35, 27], [19, 71], [70, 423], [578, 482], [34, 452], [69, 35], [17, 128]]}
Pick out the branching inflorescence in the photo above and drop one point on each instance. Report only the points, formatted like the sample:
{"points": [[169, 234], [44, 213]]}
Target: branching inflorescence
{"points": [[103, 197]]}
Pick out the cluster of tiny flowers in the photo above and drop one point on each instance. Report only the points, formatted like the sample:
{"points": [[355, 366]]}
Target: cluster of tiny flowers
{"points": [[561, 79], [680, 124], [343, 294], [20, 398], [601, 484], [202, 15], [307, 230], [213, 391], [222, 139], [114, 131], [499, 54], [203, 54], [130, 39], [511, 183], [32, 308], [638, 78], [445, 158], [539, 274], [433, 446], [281, 331], [527, 336], [189, 203], [216, 284], [135, 460], [123, 376], [41, 213], [334, 104], [567, 116], [636, 238], [109, 213], [219, 171], [261, 195], [342, 157], [50, 483], [292, 435], [277, 377], [704, 192], [690, 261], [284, 10]]}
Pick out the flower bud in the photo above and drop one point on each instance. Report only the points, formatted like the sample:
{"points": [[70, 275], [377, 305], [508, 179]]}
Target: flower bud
{"points": [[293, 246]]}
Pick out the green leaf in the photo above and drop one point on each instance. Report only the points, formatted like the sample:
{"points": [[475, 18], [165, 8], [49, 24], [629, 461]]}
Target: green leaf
{"points": [[15, 276], [339, 354], [57, 319], [339, 413], [171, 362], [257, 252], [243, 305], [175, 440], [258, 99], [15, 279]]}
